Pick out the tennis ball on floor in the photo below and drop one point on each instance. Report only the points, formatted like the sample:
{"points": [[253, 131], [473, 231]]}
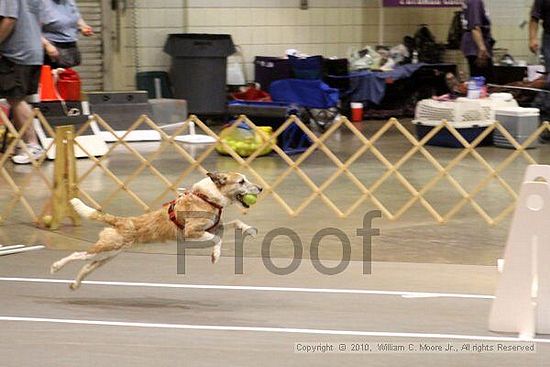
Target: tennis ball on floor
{"points": [[47, 219], [250, 199], [240, 151]]}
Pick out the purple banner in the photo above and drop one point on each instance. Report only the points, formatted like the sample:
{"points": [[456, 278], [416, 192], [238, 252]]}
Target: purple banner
{"points": [[424, 3]]}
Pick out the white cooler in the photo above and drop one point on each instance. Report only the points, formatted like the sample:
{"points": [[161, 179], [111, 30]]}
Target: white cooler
{"points": [[520, 122]]}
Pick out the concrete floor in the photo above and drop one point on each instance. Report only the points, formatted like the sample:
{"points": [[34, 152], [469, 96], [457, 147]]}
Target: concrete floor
{"points": [[132, 324], [411, 254]]}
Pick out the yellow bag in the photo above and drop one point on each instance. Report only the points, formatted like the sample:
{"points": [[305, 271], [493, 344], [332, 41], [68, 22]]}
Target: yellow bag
{"points": [[245, 141]]}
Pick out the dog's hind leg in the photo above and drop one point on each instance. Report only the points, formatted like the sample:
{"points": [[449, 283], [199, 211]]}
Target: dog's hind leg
{"points": [[109, 240], [56, 266], [87, 269]]}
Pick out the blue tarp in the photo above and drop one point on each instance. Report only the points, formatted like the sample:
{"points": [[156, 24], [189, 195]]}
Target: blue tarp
{"points": [[370, 86], [306, 93]]}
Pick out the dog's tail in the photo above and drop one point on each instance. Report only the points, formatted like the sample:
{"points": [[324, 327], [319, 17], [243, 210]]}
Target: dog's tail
{"points": [[91, 213]]}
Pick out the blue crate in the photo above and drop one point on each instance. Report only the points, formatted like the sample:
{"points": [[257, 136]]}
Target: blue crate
{"points": [[444, 138]]}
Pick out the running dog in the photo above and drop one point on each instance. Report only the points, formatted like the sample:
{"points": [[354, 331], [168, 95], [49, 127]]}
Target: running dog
{"points": [[207, 198]]}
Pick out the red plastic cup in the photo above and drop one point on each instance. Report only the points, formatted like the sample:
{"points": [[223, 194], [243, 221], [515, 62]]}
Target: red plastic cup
{"points": [[356, 111]]}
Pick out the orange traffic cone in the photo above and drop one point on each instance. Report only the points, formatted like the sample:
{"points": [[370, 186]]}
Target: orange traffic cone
{"points": [[47, 86]]}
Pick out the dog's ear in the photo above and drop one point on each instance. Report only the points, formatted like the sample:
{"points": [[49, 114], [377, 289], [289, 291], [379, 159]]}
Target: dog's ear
{"points": [[219, 179]]}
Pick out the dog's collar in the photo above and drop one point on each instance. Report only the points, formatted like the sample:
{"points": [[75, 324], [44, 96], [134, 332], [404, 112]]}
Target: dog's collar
{"points": [[214, 205], [172, 214], [206, 199]]}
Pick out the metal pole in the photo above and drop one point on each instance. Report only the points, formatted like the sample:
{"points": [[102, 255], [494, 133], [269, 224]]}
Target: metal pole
{"points": [[518, 88]]}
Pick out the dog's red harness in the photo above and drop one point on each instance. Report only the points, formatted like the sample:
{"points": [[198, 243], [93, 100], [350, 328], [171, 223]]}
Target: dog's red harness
{"points": [[172, 214]]}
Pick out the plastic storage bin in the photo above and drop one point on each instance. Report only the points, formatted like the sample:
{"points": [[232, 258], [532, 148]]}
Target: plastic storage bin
{"points": [[269, 69], [150, 81], [469, 116], [168, 111], [520, 122], [120, 109], [199, 70], [444, 138], [309, 68]]}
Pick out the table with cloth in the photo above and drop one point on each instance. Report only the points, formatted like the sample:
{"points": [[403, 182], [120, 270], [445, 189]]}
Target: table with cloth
{"points": [[398, 89]]}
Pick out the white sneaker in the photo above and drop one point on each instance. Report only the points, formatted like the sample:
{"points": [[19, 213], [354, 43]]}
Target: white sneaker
{"points": [[22, 157]]}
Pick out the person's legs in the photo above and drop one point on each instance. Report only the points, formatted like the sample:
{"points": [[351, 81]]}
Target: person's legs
{"points": [[546, 50], [22, 112], [19, 81], [545, 136], [472, 65], [489, 72]]}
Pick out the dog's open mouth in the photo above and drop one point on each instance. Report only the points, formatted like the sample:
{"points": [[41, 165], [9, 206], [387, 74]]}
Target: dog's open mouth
{"points": [[240, 198]]}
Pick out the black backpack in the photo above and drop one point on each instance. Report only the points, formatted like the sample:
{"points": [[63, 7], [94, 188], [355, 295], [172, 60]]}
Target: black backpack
{"points": [[428, 50], [455, 32]]}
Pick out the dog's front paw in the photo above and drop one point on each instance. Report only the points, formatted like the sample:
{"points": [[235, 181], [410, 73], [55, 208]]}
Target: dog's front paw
{"points": [[74, 286], [250, 231], [54, 268], [216, 253]]}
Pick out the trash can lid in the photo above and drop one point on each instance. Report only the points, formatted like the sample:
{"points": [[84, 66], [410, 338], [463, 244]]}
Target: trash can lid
{"points": [[199, 45]]}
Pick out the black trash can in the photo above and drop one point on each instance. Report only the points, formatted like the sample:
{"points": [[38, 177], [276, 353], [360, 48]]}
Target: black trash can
{"points": [[199, 70]]}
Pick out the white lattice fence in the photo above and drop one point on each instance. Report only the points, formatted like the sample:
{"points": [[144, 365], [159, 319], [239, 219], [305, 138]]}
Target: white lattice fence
{"points": [[192, 163]]}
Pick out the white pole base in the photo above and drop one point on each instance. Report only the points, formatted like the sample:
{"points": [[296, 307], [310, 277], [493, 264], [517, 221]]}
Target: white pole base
{"points": [[522, 300]]}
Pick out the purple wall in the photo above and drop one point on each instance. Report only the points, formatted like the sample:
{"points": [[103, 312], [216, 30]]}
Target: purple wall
{"points": [[424, 3]]}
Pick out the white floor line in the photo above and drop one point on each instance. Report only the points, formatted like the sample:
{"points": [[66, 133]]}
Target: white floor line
{"points": [[5, 248], [404, 294], [20, 250], [272, 329]]}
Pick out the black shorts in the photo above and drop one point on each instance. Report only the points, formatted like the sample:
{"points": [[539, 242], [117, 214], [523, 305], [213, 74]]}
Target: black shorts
{"points": [[69, 55], [18, 81]]}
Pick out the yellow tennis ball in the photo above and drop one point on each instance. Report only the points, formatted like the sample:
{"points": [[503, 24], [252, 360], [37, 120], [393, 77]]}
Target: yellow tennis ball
{"points": [[250, 199], [47, 219]]}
